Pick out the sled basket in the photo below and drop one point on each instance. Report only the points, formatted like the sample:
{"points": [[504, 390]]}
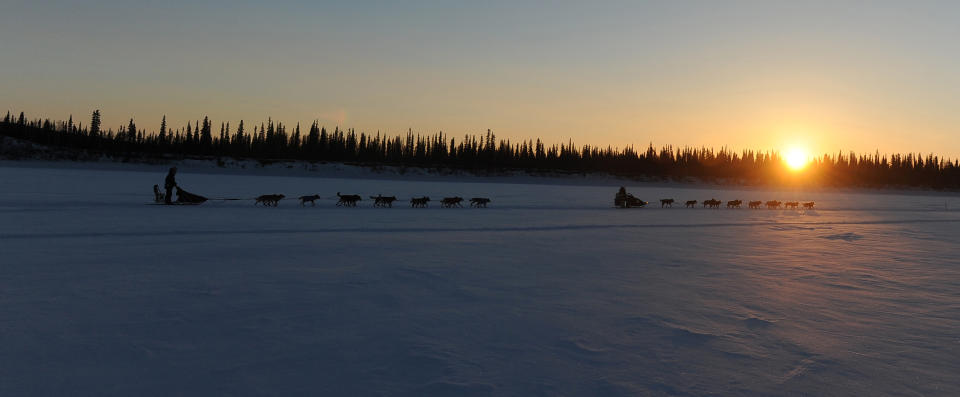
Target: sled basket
{"points": [[186, 197]]}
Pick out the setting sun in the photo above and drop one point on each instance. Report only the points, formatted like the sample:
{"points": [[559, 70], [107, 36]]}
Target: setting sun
{"points": [[796, 159]]}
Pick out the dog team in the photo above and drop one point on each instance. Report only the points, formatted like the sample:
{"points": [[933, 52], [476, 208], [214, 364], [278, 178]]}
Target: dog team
{"points": [[379, 201], [714, 203]]}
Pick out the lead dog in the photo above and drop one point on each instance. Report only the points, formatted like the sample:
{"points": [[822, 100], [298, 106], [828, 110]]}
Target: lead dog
{"points": [[479, 202]]}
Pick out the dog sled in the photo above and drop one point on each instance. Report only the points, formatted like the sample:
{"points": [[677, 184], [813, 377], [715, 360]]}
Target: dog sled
{"points": [[627, 200], [183, 198]]}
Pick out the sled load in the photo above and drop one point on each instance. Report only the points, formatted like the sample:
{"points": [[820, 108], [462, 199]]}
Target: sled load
{"points": [[627, 200], [185, 197]]}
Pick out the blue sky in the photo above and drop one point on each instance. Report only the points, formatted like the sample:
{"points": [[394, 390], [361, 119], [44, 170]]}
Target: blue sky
{"points": [[828, 76]]}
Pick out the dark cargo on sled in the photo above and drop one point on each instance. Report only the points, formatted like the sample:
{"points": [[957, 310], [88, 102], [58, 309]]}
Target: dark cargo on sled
{"points": [[185, 197]]}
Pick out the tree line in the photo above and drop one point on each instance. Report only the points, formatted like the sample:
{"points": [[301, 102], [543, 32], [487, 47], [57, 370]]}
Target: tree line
{"points": [[272, 140]]}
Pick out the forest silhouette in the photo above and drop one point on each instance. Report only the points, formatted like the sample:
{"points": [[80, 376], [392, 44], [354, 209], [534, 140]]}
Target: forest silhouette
{"points": [[275, 141]]}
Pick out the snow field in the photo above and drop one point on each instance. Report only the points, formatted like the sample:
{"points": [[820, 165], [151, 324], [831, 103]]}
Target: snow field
{"points": [[550, 291]]}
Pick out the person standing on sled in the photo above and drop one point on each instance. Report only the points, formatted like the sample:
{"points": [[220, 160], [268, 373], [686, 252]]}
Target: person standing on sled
{"points": [[620, 199], [169, 184], [626, 200]]}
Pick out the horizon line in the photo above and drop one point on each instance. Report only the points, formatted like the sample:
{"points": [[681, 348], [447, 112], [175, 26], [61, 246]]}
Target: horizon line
{"points": [[676, 148]]}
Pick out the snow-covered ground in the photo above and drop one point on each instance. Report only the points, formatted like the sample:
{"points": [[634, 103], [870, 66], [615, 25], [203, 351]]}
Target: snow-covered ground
{"points": [[550, 291]]}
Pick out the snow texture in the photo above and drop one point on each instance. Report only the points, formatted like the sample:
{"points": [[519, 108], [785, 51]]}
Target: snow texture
{"points": [[549, 291]]}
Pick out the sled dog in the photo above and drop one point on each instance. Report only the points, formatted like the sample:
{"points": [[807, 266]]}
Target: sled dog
{"points": [[383, 201], [269, 200], [450, 202], [419, 202], [312, 199], [348, 200], [479, 202]]}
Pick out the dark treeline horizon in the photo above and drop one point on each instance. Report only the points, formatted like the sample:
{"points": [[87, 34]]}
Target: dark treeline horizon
{"points": [[271, 141]]}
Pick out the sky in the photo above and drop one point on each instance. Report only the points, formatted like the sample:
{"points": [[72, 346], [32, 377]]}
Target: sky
{"points": [[825, 76]]}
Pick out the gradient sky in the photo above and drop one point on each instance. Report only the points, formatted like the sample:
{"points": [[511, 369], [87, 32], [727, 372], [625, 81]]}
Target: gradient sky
{"points": [[835, 75]]}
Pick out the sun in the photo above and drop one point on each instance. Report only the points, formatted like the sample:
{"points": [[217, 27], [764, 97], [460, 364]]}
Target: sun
{"points": [[796, 159]]}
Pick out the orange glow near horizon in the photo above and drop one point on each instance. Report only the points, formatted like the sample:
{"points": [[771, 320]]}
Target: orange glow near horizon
{"points": [[796, 158]]}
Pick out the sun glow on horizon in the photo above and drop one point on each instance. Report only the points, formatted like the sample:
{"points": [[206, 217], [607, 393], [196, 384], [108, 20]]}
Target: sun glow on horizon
{"points": [[796, 158]]}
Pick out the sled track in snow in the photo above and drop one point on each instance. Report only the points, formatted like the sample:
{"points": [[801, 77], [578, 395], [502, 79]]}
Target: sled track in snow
{"points": [[28, 236], [26, 206]]}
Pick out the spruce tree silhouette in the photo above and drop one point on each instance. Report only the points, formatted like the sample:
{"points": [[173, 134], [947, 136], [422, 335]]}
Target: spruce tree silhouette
{"points": [[162, 135], [95, 123], [484, 153], [131, 131]]}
